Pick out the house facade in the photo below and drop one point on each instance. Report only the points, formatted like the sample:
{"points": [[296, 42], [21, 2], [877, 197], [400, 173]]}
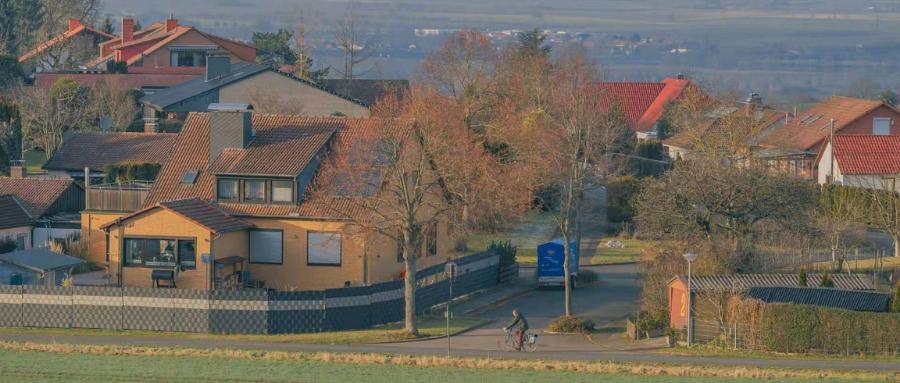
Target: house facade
{"points": [[232, 207], [866, 161], [166, 47], [267, 90], [795, 146], [53, 204]]}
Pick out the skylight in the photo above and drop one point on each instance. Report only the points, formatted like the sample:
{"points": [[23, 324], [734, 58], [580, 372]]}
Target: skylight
{"points": [[190, 176]]}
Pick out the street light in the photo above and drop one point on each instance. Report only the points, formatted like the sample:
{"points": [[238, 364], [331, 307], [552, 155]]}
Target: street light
{"points": [[450, 270], [690, 257]]}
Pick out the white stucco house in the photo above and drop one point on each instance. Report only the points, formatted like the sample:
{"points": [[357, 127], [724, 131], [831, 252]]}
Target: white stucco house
{"points": [[868, 161]]}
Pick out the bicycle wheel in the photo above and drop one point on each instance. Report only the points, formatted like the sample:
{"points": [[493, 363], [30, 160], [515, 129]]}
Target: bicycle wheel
{"points": [[509, 343], [531, 342]]}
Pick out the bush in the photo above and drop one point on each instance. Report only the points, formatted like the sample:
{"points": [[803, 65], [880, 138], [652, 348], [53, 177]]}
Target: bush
{"points": [[620, 198], [826, 281], [505, 250], [654, 151], [802, 277], [800, 328], [646, 321], [131, 172], [571, 325], [895, 304]]}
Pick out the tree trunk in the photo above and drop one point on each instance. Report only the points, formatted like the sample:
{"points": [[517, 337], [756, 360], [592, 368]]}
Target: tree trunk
{"points": [[567, 277], [409, 288], [896, 239]]}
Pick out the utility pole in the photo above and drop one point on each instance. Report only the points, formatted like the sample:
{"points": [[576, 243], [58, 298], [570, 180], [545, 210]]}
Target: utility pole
{"points": [[690, 257], [450, 270]]}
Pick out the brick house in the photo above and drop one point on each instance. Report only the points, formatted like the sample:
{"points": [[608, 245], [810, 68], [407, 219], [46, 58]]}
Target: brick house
{"points": [[794, 147], [232, 204]]}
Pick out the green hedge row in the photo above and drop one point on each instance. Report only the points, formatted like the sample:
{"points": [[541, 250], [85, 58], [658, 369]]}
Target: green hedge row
{"points": [[131, 172], [802, 328]]}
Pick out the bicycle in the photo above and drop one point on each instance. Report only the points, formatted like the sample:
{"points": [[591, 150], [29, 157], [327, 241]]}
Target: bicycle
{"points": [[529, 341]]}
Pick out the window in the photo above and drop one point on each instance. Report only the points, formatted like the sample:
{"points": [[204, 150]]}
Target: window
{"points": [[189, 177], [188, 58], [323, 249], [881, 126], [431, 239], [228, 189], [156, 252], [254, 191], [282, 191], [266, 246]]}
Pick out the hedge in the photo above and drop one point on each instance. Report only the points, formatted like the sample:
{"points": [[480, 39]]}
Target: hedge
{"points": [[801, 328], [620, 195], [131, 172]]}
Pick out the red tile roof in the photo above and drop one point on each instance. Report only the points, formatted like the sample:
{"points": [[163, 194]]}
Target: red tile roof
{"points": [[14, 213], [867, 154], [45, 80], [299, 143], [68, 34], [39, 195], [196, 210], [811, 127], [643, 102], [191, 153], [97, 150]]}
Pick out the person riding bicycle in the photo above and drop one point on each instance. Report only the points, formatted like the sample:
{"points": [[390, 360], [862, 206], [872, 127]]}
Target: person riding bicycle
{"points": [[521, 325]]}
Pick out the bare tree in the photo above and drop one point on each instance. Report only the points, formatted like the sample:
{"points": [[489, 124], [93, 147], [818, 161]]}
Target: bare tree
{"points": [[582, 132], [391, 181], [840, 209], [46, 117], [358, 46], [115, 102], [884, 207]]}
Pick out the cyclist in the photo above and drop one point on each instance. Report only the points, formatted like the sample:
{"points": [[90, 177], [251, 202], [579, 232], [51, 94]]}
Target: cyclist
{"points": [[521, 325]]}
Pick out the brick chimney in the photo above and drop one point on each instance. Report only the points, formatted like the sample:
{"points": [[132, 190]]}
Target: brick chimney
{"points": [[74, 24], [230, 126], [17, 169], [171, 24], [127, 29]]}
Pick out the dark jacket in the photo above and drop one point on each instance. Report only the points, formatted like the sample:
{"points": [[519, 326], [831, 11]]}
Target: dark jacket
{"points": [[519, 323]]}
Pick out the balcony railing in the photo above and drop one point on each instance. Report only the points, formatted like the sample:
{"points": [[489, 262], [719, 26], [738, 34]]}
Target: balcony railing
{"points": [[117, 197]]}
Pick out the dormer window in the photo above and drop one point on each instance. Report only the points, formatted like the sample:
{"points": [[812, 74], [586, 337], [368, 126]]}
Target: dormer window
{"points": [[256, 190]]}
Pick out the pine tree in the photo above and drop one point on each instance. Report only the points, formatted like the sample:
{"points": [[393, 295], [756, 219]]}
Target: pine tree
{"points": [[802, 281], [107, 26]]}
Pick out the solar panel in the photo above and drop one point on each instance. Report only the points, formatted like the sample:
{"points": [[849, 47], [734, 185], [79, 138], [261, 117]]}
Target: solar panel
{"points": [[190, 176]]}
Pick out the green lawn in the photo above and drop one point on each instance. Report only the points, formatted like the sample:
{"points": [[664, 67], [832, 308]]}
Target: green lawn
{"points": [[31, 366], [710, 351], [428, 327], [603, 255]]}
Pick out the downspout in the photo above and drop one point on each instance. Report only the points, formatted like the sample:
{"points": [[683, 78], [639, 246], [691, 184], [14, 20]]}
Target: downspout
{"points": [[212, 261]]}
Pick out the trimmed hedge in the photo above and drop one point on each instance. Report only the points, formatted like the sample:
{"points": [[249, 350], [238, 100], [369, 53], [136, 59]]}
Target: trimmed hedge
{"points": [[131, 172], [801, 328]]}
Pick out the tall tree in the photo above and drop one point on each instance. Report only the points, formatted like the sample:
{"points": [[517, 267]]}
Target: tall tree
{"points": [[304, 64], [839, 209], [20, 21], [392, 182], [533, 43], [358, 47], [582, 134], [274, 48], [884, 207], [107, 26]]}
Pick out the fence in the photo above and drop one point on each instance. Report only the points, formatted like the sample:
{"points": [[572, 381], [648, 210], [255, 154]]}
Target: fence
{"points": [[237, 312]]}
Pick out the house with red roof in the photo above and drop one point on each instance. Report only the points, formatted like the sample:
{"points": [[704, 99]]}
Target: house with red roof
{"points": [[861, 160], [794, 146], [643, 103], [231, 205], [167, 47], [70, 49]]}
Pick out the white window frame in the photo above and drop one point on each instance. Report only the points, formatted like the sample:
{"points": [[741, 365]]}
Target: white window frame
{"points": [[887, 125]]}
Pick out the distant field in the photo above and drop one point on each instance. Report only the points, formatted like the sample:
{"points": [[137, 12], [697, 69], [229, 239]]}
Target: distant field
{"points": [[30, 366]]}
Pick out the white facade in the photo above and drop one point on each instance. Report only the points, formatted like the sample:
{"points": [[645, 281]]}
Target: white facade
{"points": [[868, 181]]}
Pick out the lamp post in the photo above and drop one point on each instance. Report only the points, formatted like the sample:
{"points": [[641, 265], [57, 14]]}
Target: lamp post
{"points": [[690, 257], [450, 270]]}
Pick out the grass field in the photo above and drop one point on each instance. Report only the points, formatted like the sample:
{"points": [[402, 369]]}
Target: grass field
{"points": [[41, 363], [709, 351], [428, 327]]}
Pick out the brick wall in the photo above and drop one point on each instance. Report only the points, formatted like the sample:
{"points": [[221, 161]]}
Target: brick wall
{"points": [[236, 312]]}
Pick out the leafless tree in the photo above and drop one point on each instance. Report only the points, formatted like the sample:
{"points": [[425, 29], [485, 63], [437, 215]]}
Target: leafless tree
{"points": [[884, 207], [46, 118], [358, 45]]}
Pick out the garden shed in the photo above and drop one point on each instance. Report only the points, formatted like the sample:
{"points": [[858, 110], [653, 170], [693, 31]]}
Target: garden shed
{"points": [[38, 266]]}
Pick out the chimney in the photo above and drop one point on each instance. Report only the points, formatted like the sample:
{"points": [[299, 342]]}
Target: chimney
{"points": [[17, 169], [230, 127], [679, 76], [127, 29], [74, 24], [171, 23], [753, 102], [218, 64]]}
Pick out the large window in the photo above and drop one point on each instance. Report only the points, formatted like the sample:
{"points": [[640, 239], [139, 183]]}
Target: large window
{"points": [[228, 189], [160, 252], [254, 191], [282, 191], [323, 248], [266, 246]]}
